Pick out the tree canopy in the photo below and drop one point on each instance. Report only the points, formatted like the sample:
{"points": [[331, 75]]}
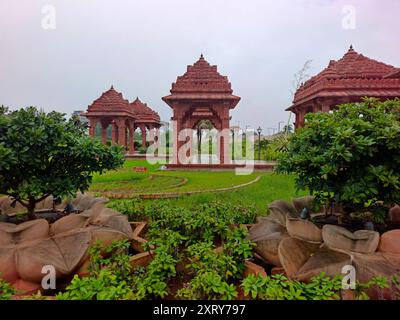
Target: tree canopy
{"points": [[44, 154], [351, 156]]}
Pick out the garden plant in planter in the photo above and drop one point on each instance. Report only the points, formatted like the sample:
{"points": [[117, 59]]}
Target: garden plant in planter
{"points": [[350, 158], [44, 157], [44, 154]]}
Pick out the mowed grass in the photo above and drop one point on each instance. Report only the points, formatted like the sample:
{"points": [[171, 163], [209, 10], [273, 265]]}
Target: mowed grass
{"points": [[165, 181], [270, 187]]}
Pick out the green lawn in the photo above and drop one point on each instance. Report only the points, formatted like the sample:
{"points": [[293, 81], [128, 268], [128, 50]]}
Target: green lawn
{"points": [[165, 181], [269, 188]]}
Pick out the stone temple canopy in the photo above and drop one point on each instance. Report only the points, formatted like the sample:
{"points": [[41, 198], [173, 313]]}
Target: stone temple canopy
{"points": [[202, 94], [344, 81], [112, 109]]}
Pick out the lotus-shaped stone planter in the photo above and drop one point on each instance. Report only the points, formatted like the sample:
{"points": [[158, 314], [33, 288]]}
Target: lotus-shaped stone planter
{"points": [[303, 250], [28, 247]]}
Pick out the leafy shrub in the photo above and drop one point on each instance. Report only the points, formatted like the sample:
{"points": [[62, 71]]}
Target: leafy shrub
{"points": [[278, 287], [177, 235], [396, 286], [321, 287], [362, 288], [114, 257], [350, 156], [214, 270], [192, 234], [152, 283], [44, 154], [6, 290], [276, 147], [109, 277], [209, 221], [104, 286], [208, 284]]}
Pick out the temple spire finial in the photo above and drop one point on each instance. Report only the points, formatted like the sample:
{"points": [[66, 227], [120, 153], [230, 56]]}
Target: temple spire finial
{"points": [[112, 87], [351, 48], [201, 56]]}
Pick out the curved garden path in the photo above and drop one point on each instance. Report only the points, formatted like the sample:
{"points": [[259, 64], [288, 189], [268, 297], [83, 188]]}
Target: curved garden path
{"points": [[167, 195]]}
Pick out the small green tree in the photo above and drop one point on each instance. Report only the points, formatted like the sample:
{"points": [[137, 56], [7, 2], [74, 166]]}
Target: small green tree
{"points": [[351, 156], [44, 154]]}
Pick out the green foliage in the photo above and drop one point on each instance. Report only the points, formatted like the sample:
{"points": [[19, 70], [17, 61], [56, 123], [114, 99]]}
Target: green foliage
{"points": [[43, 154], [362, 288], [197, 222], [321, 287], [6, 290], [114, 257], [193, 234], [350, 156], [278, 287], [152, 283], [277, 147], [204, 257], [110, 276], [208, 284], [214, 270], [104, 286], [396, 286]]}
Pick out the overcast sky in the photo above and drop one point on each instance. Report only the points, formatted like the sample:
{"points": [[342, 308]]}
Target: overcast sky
{"points": [[141, 46]]}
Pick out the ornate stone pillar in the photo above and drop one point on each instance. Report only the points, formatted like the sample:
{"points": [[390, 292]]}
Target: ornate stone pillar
{"points": [[300, 118], [158, 133], [104, 133], [92, 126], [143, 131], [176, 128], [157, 140], [325, 107], [121, 132], [316, 108], [177, 125], [151, 134], [224, 139], [223, 148], [189, 144], [114, 133], [131, 138]]}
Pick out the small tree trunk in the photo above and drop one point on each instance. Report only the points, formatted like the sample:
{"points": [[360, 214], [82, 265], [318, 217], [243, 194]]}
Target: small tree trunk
{"points": [[31, 209]]}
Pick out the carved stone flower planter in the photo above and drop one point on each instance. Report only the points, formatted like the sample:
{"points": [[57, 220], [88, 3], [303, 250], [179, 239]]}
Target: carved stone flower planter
{"points": [[143, 258]]}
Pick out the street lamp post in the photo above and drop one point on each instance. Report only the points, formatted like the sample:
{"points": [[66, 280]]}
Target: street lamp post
{"points": [[259, 130], [279, 126], [244, 140], [233, 144]]}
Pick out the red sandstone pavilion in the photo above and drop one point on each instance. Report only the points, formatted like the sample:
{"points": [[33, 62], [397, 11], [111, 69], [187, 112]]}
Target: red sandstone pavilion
{"points": [[201, 94], [347, 80], [124, 117]]}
